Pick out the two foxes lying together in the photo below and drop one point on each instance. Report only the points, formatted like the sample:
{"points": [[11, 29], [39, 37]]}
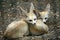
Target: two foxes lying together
{"points": [[30, 23]]}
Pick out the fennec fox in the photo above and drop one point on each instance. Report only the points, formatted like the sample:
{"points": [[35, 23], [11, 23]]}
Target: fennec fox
{"points": [[19, 28], [44, 15], [38, 28]]}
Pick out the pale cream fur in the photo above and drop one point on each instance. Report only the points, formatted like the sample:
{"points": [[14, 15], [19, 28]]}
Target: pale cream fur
{"points": [[16, 29], [39, 28]]}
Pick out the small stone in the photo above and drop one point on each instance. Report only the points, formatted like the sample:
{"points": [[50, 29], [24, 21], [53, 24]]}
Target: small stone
{"points": [[58, 36]]}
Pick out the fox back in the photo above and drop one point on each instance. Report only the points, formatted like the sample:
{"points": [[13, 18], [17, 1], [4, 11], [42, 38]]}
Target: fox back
{"points": [[16, 29]]}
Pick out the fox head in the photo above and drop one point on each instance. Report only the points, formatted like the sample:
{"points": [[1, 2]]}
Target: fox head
{"points": [[30, 16], [44, 15]]}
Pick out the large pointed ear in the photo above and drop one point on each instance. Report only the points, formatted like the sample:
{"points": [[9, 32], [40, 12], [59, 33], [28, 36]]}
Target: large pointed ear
{"points": [[23, 10], [24, 13], [31, 7], [36, 12], [47, 7]]}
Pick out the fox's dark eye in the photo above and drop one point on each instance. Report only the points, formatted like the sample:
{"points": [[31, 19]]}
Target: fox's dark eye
{"points": [[30, 20], [34, 19], [45, 18]]}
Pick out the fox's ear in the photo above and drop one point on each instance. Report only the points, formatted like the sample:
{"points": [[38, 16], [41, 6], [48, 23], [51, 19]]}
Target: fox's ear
{"points": [[36, 12], [31, 7], [47, 7], [24, 11]]}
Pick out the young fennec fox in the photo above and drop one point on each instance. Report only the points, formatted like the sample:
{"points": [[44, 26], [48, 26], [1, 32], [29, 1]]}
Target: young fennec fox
{"points": [[20, 28], [39, 28]]}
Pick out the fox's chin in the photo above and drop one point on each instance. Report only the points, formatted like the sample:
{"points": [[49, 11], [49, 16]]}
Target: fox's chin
{"points": [[44, 20], [34, 22]]}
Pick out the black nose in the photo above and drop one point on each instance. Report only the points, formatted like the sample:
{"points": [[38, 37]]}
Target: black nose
{"points": [[45, 22], [34, 23]]}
